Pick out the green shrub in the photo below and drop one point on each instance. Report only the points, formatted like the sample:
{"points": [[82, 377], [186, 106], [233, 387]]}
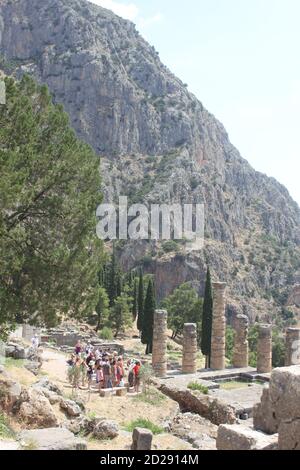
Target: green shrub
{"points": [[145, 424], [169, 246], [151, 397], [106, 333], [198, 387], [11, 362], [5, 431]]}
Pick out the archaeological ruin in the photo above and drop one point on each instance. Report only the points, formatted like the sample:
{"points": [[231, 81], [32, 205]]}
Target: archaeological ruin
{"points": [[159, 348], [218, 327], [264, 349], [190, 349], [240, 353], [292, 351]]}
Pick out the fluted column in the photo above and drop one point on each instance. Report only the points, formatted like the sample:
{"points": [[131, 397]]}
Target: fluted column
{"points": [[292, 348], [190, 348], [240, 353], [217, 360], [264, 349], [159, 348]]}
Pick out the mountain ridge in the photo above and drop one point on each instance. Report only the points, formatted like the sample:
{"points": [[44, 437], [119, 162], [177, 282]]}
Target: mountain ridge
{"points": [[158, 143]]}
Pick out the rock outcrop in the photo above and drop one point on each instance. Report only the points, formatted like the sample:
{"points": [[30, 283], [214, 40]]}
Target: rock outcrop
{"points": [[50, 439], [34, 410], [105, 429], [10, 391], [70, 408], [194, 429]]}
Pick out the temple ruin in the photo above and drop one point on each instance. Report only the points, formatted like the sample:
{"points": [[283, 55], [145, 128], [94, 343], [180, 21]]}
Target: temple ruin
{"points": [[190, 348], [159, 349], [292, 352], [218, 338], [264, 349], [240, 353]]}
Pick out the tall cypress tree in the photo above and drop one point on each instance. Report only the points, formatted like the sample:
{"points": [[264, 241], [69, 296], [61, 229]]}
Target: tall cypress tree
{"points": [[207, 319], [140, 302], [149, 307], [135, 300], [119, 286], [111, 279]]}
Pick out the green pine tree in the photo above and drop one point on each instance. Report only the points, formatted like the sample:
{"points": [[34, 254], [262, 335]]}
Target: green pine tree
{"points": [[207, 319], [102, 309], [183, 307], [149, 308], [140, 302], [119, 286], [120, 316], [49, 192]]}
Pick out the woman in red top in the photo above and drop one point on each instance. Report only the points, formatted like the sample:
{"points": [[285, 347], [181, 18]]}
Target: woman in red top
{"points": [[137, 380]]}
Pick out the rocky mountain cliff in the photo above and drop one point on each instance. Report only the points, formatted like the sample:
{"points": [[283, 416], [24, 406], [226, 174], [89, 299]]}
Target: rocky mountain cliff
{"points": [[158, 144]]}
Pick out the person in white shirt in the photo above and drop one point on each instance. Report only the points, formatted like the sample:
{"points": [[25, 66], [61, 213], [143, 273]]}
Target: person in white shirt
{"points": [[35, 342]]}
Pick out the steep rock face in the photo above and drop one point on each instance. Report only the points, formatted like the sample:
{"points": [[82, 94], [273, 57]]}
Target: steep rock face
{"points": [[158, 144], [111, 81]]}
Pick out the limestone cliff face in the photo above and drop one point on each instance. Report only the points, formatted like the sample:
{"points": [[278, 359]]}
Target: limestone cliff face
{"points": [[159, 144]]}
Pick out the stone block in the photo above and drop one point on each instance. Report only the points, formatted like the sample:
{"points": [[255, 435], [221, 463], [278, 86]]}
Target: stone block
{"points": [[141, 439], [239, 437], [106, 392]]}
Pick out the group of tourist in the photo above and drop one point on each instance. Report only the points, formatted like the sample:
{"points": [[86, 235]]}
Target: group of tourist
{"points": [[106, 368]]}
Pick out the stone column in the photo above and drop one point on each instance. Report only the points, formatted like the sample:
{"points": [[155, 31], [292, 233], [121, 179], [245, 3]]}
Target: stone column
{"points": [[240, 353], [159, 348], [264, 349], [292, 347], [217, 360], [190, 348]]}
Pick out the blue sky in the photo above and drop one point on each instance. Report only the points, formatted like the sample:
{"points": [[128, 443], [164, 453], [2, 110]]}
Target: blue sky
{"points": [[241, 59]]}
